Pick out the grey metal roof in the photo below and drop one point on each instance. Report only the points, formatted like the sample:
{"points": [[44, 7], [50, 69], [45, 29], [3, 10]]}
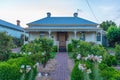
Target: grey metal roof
{"points": [[63, 20], [10, 25]]}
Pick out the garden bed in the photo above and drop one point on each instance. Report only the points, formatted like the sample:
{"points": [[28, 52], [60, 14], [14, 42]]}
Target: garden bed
{"points": [[44, 73]]}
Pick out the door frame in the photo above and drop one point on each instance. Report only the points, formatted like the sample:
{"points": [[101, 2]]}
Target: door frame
{"points": [[58, 36]]}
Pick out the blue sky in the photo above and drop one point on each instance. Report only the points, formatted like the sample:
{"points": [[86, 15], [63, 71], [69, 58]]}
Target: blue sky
{"points": [[30, 10]]}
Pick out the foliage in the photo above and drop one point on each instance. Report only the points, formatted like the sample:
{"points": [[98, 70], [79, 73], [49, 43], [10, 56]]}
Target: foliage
{"points": [[5, 45], [40, 46], [113, 35], [106, 24], [24, 61], [76, 74], [15, 55], [31, 47], [9, 72], [110, 60], [20, 61], [109, 73], [52, 54], [18, 41], [104, 71], [54, 49], [99, 50], [84, 48], [69, 47], [96, 72], [38, 57], [117, 52], [46, 44]]}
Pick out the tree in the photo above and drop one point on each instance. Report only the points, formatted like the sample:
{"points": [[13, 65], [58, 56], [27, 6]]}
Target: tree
{"points": [[6, 44], [113, 35], [106, 24]]}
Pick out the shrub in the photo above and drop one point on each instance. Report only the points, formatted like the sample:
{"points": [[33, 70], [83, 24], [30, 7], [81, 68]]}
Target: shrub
{"points": [[55, 49], [5, 45], [76, 74], [15, 55], [110, 73], [20, 61], [18, 41], [9, 72], [117, 52], [99, 50], [110, 60], [69, 47], [38, 57], [84, 48]]}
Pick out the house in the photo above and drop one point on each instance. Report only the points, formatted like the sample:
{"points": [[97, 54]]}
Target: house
{"points": [[11, 29], [63, 29]]}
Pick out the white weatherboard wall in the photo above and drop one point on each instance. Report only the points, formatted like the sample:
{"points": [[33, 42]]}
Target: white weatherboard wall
{"points": [[12, 32], [33, 35], [90, 37]]}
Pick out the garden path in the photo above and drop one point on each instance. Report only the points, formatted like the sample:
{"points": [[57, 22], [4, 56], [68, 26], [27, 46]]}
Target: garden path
{"points": [[61, 72]]}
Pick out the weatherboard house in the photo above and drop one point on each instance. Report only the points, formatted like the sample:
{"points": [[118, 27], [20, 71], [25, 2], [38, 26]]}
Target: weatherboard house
{"points": [[63, 29], [11, 29]]}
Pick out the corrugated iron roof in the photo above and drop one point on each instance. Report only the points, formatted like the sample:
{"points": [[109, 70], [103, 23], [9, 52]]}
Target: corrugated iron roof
{"points": [[10, 25]]}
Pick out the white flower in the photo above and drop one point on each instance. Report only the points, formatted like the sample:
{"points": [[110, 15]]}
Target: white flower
{"points": [[29, 53], [21, 70], [88, 71], [39, 74], [78, 46], [22, 66], [82, 67], [43, 53], [86, 58], [46, 74], [79, 66], [37, 64], [78, 56]]}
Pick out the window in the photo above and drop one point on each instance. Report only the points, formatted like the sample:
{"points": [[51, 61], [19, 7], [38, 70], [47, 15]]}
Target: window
{"points": [[98, 36], [42, 34], [82, 36]]}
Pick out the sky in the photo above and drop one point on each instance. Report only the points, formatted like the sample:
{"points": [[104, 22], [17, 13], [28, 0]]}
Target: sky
{"points": [[30, 10]]}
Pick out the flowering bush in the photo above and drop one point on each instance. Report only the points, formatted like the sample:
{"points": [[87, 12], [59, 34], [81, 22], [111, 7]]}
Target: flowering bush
{"points": [[76, 74], [88, 65]]}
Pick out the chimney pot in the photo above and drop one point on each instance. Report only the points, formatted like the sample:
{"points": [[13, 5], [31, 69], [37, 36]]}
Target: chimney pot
{"points": [[48, 14], [75, 14], [18, 22]]}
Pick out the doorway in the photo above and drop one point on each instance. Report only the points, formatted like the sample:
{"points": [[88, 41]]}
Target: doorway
{"points": [[62, 37]]}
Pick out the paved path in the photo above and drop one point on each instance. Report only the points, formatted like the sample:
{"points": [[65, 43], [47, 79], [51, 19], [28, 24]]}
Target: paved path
{"points": [[61, 72]]}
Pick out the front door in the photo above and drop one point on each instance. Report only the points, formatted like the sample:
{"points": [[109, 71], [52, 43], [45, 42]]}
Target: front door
{"points": [[62, 41]]}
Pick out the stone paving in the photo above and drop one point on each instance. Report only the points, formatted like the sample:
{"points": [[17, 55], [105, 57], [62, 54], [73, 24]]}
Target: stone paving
{"points": [[61, 72]]}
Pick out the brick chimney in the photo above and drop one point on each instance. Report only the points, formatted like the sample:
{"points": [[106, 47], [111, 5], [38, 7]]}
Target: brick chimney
{"points": [[18, 22]]}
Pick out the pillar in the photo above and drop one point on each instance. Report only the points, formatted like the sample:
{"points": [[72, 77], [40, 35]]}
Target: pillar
{"points": [[49, 32], [75, 32]]}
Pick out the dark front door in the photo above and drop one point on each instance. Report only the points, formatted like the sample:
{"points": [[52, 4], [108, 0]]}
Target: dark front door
{"points": [[62, 41]]}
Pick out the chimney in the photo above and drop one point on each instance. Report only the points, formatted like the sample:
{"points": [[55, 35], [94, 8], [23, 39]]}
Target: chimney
{"points": [[75, 14], [48, 14], [18, 22]]}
